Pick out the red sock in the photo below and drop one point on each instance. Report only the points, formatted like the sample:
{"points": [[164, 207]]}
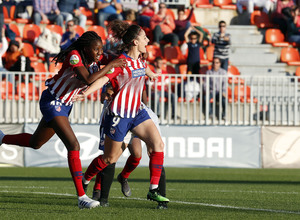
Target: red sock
{"points": [[95, 167], [131, 163], [17, 139], [76, 171], [155, 166], [97, 185]]}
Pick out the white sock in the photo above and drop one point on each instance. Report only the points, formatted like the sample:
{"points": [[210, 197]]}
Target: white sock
{"points": [[85, 181], [153, 186]]}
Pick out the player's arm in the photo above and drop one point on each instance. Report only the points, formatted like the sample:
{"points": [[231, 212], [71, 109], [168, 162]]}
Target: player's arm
{"points": [[150, 74], [88, 78]]}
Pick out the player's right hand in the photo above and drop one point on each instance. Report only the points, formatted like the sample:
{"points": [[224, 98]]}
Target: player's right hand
{"points": [[78, 97]]}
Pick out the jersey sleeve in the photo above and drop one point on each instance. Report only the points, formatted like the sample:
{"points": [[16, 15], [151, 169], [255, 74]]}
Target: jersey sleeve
{"points": [[74, 59], [112, 73]]}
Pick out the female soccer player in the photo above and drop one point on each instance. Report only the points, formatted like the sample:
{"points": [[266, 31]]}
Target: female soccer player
{"points": [[81, 61], [126, 113], [104, 178]]}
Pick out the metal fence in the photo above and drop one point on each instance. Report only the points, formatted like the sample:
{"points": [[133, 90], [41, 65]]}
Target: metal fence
{"points": [[178, 99]]}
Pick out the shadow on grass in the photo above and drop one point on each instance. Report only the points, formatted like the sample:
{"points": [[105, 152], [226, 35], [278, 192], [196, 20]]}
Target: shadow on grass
{"points": [[133, 180]]}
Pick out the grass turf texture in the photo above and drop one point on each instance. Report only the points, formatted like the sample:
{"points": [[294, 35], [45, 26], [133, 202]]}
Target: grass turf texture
{"points": [[194, 193]]}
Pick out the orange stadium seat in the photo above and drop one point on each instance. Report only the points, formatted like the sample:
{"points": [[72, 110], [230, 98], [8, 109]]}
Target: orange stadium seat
{"points": [[203, 4], [33, 92], [204, 69], [203, 60], [29, 52], [9, 16], [6, 90], [183, 70], [30, 32], [233, 70], [99, 30], [153, 52], [79, 30], [39, 68], [54, 68], [261, 20], [89, 14], [173, 54], [290, 56], [225, 4], [210, 53], [243, 93], [298, 73], [55, 28], [275, 37]]}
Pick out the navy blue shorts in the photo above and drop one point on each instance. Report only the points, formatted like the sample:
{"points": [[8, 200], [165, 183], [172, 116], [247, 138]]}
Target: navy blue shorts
{"points": [[51, 107], [116, 127]]}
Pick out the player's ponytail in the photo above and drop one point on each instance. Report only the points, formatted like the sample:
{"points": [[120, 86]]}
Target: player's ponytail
{"points": [[84, 41], [125, 32]]}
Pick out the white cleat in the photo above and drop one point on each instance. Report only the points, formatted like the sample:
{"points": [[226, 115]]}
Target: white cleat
{"points": [[1, 136], [84, 202]]}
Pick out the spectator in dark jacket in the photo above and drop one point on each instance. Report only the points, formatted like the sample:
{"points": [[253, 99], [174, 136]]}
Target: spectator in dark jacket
{"points": [[69, 36]]}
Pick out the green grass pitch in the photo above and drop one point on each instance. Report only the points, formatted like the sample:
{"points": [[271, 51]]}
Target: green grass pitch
{"points": [[194, 193]]}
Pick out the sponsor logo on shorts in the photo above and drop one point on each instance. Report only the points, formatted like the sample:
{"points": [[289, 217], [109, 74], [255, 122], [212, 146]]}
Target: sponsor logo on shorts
{"points": [[138, 73], [74, 59], [58, 108]]}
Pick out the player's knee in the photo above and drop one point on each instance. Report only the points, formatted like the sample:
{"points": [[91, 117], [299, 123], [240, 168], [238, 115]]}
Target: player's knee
{"points": [[160, 146], [110, 160]]}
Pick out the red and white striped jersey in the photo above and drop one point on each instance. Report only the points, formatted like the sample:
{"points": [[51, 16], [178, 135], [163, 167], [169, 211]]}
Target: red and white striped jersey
{"points": [[128, 84], [66, 83]]}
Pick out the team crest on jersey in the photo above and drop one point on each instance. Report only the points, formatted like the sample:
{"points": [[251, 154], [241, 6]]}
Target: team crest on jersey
{"points": [[74, 59], [138, 73], [112, 131]]}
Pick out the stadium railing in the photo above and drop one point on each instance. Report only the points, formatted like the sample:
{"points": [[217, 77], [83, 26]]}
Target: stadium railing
{"points": [[250, 100]]}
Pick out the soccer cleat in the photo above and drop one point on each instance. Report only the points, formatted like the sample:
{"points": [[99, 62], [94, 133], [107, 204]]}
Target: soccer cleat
{"points": [[96, 194], [155, 196], [124, 185], [84, 202], [1, 136], [84, 186], [162, 205], [104, 202]]}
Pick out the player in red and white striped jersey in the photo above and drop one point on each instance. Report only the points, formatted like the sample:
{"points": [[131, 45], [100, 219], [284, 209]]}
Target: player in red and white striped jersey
{"points": [[80, 68], [126, 112]]}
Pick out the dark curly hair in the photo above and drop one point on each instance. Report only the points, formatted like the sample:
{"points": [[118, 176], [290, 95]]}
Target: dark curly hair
{"points": [[84, 41]]}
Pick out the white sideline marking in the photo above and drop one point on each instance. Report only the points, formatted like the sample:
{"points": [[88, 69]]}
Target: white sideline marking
{"points": [[173, 201]]}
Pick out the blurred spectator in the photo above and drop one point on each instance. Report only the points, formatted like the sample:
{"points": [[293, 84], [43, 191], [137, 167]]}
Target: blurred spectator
{"points": [[249, 4], [297, 2], [147, 9], [293, 33], [182, 23], [278, 17], [69, 9], [69, 36], [108, 10], [158, 65], [1, 20], [193, 37], [14, 60], [217, 87], [163, 26], [222, 43], [3, 48], [45, 10]]}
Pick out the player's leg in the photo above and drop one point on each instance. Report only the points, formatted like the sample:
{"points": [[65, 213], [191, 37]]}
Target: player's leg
{"points": [[41, 135], [148, 132], [135, 148], [62, 128]]}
